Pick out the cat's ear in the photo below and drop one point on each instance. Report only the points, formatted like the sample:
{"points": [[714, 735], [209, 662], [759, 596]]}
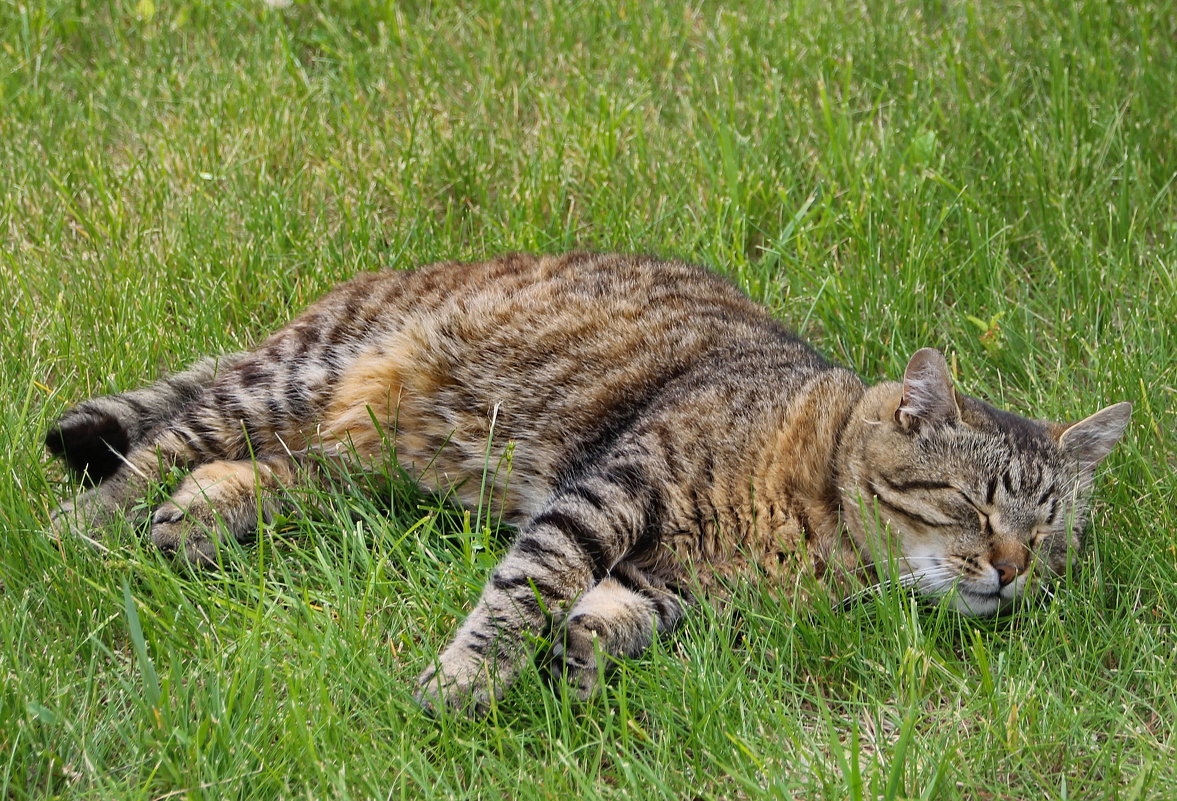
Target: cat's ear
{"points": [[1093, 438], [928, 396]]}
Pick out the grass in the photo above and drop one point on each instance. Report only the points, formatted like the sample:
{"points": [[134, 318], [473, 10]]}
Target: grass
{"points": [[995, 179]]}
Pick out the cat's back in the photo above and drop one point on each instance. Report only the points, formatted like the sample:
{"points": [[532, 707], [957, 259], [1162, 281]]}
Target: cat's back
{"points": [[614, 289], [599, 328], [592, 283], [546, 322], [596, 300]]}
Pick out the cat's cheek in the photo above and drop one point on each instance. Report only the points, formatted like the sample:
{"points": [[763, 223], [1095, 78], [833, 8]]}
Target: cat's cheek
{"points": [[875, 537]]}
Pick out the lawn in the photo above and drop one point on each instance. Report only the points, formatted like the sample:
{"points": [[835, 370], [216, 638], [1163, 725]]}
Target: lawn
{"points": [[991, 178]]}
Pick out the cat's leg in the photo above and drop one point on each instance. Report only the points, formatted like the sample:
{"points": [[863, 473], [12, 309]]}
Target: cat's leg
{"points": [[99, 507], [559, 555], [540, 577], [94, 436], [218, 499], [618, 618]]}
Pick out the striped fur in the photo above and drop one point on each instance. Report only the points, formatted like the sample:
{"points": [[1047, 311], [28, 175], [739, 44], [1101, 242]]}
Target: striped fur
{"points": [[667, 436]]}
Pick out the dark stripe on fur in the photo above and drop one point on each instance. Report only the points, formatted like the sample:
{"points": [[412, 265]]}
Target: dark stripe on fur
{"points": [[906, 486], [582, 535], [620, 421], [628, 476], [532, 546], [655, 516], [625, 579], [587, 495], [141, 410], [894, 507]]}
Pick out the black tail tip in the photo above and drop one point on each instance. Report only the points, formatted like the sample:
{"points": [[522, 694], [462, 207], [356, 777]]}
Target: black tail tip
{"points": [[91, 444]]}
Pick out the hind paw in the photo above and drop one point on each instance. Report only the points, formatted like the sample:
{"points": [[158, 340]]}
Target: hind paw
{"points": [[82, 518], [216, 503], [191, 534]]}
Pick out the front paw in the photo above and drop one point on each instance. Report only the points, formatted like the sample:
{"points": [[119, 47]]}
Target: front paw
{"points": [[574, 662], [473, 671], [461, 683]]}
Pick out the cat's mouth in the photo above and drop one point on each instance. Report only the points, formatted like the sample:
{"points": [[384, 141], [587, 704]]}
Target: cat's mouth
{"points": [[940, 580], [978, 604]]}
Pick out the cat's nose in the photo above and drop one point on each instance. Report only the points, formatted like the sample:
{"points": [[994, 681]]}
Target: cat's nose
{"points": [[1007, 572], [1009, 559]]}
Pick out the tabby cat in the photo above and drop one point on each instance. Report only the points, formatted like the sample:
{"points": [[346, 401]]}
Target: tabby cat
{"points": [[667, 434]]}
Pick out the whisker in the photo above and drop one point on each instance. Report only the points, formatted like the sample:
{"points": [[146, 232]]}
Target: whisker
{"points": [[927, 574], [931, 579], [904, 581], [873, 589], [931, 570]]}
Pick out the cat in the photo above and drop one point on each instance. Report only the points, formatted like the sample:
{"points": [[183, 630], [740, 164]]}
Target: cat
{"points": [[665, 435]]}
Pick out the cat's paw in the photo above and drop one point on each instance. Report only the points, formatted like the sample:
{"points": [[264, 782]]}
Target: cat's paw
{"points": [[84, 518], [215, 504], [439, 690], [471, 673], [574, 658], [189, 534]]}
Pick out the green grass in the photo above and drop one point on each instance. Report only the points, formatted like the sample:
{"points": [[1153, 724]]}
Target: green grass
{"points": [[994, 179]]}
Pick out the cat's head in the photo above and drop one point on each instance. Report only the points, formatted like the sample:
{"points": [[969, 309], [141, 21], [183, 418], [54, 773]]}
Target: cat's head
{"points": [[964, 501]]}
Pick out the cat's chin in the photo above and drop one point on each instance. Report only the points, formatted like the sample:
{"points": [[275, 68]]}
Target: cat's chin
{"points": [[975, 604]]}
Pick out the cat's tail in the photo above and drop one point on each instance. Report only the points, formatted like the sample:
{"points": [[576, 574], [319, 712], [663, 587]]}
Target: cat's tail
{"points": [[93, 436]]}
